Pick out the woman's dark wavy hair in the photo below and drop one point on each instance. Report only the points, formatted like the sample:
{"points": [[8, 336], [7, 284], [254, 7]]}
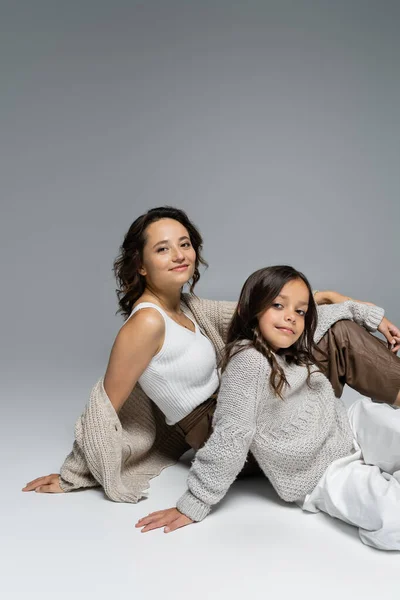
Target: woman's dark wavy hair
{"points": [[130, 283], [257, 295]]}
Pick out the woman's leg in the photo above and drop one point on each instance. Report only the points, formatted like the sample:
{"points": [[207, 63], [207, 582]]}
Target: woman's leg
{"points": [[361, 360], [197, 428]]}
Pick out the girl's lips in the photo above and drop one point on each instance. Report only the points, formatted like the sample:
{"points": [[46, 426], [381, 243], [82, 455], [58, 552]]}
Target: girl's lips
{"points": [[284, 330]]}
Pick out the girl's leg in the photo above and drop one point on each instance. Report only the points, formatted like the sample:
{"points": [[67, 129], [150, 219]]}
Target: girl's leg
{"points": [[376, 428], [361, 495], [361, 360]]}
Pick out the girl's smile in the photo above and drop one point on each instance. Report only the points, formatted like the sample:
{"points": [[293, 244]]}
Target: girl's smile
{"points": [[282, 324]]}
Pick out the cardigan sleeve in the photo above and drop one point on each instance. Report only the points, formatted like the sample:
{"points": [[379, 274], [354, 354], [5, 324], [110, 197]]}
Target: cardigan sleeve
{"points": [[216, 312], [218, 463], [75, 473], [362, 314]]}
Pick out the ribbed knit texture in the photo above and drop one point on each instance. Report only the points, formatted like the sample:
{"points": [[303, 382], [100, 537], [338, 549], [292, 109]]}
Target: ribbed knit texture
{"points": [[183, 374], [123, 451], [293, 440]]}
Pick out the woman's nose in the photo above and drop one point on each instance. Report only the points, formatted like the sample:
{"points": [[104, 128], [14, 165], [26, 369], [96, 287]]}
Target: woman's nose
{"points": [[177, 255]]}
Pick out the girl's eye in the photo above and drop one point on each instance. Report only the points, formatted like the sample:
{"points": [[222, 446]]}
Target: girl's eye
{"points": [[301, 313], [277, 305]]}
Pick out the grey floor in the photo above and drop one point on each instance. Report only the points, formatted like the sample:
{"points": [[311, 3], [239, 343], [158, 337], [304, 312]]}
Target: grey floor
{"points": [[81, 545]]}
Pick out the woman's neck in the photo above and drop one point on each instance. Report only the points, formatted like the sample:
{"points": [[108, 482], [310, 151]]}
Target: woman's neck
{"points": [[170, 302]]}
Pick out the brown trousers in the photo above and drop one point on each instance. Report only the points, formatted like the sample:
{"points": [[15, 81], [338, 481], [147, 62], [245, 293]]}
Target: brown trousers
{"points": [[353, 357]]}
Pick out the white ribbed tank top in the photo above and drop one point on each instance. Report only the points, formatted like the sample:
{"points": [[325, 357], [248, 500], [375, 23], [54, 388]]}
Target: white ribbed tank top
{"points": [[183, 374]]}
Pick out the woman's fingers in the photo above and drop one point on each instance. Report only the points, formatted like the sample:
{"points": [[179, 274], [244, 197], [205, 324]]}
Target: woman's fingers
{"points": [[35, 483], [47, 483], [49, 488]]}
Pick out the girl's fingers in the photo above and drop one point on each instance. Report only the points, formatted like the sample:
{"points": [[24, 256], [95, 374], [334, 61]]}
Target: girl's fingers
{"points": [[149, 518], [154, 525], [178, 523]]}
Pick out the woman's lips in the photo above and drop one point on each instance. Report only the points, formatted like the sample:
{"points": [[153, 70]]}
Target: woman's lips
{"points": [[181, 268]]}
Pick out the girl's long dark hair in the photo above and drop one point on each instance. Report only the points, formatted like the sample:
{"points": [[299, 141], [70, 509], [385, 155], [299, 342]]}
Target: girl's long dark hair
{"points": [[257, 295], [131, 284]]}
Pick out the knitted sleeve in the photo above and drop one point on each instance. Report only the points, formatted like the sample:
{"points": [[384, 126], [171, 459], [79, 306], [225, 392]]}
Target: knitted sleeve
{"points": [[74, 473], [362, 314], [218, 463]]}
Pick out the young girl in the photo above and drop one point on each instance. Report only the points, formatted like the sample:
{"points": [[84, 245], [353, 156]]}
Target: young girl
{"points": [[275, 402]]}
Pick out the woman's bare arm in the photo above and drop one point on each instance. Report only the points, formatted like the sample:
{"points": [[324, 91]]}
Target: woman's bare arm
{"points": [[138, 341], [135, 345]]}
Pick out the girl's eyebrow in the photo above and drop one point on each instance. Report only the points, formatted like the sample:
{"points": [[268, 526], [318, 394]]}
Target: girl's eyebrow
{"points": [[301, 303], [184, 237]]}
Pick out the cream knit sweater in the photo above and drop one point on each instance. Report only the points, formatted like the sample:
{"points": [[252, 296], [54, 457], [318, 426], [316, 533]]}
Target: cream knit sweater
{"points": [[294, 440], [122, 452]]}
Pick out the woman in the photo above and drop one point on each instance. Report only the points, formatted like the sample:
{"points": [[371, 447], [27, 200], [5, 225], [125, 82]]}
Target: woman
{"points": [[167, 350]]}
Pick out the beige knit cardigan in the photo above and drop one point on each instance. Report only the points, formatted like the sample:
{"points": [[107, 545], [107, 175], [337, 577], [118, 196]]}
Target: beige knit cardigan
{"points": [[122, 452]]}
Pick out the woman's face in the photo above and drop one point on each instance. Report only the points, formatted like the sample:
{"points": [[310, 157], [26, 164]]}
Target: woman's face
{"points": [[283, 323], [168, 255]]}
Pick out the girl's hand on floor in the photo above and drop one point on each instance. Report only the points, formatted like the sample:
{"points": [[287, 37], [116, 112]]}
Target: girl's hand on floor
{"points": [[391, 333], [170, 519], [49, 484]]}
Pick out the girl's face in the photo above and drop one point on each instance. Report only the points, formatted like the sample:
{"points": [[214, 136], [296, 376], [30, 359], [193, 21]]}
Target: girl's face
{"points": [[282, 324], [169, 258]]}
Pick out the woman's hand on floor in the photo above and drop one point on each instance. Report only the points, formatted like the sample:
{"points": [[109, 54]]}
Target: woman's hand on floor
{"points": [[49, 484], [170, 519], [391, 333]]}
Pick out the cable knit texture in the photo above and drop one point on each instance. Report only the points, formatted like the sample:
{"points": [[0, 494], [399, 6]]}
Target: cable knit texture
{"points": [[122, 452], [294, 440]]}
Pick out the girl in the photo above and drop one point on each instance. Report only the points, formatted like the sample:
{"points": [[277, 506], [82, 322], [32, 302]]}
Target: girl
{"points": [[276, 403], [158, 394]]}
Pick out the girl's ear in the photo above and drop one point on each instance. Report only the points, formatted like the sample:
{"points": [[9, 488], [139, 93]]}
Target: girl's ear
{"points": [[142, 271]]}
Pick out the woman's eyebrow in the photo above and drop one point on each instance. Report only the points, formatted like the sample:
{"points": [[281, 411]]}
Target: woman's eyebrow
{"points": [[183, 237]]}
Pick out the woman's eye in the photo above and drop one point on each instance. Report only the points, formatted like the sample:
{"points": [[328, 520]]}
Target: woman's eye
{"points": [[162, 249], [186, 244]]}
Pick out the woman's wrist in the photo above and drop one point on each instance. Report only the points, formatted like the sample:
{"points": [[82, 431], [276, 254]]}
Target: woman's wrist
{"points": [[324, 297]]}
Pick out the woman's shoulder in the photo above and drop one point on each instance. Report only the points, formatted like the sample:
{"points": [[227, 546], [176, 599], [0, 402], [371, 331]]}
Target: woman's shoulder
{"points": [[145, 322]]}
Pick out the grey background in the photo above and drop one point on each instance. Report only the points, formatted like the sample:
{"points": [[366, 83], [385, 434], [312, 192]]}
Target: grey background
{"points": [[275, 124]]}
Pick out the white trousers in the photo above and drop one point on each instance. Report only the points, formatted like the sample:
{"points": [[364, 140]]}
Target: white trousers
{"points": [[363, 489]]}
